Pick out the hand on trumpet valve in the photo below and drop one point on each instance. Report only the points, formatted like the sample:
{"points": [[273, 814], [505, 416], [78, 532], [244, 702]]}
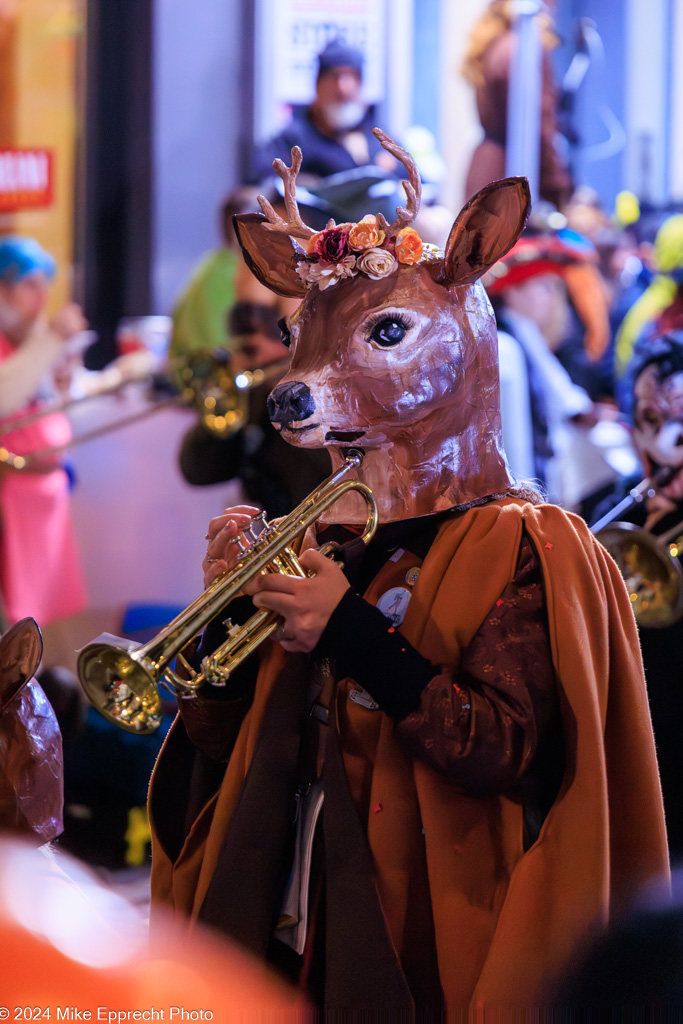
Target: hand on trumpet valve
{"points": [[224, 531], [305, 604]]}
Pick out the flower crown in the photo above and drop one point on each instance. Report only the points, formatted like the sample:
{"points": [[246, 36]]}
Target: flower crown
{"points": [[344, 250], [369, 246]]}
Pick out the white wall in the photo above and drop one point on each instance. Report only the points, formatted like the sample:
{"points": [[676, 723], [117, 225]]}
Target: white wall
{"points": [[195, 128], [676, 148], [648, 37]]}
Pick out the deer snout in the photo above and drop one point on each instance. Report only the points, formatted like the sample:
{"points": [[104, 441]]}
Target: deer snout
{"points": [[290, 403]]}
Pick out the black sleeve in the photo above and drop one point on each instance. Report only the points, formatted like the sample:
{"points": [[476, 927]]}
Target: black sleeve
{"points": [[204, 458], [243, 680], [367, 648]]}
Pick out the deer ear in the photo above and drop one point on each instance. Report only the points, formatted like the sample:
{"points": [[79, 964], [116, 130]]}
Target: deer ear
{"points": [[21, 649], [485, 229], [270, 255]]}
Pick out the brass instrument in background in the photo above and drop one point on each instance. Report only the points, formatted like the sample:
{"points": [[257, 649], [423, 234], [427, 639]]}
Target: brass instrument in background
{"points": [[204, 381], [122, 679], [648, 563]]}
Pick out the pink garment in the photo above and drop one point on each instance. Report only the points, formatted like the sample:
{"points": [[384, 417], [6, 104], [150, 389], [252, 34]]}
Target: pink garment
{"points": [[40, 573]]}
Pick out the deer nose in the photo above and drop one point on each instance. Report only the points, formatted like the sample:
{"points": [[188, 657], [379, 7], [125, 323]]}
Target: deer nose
{"points": [[290, 402]]}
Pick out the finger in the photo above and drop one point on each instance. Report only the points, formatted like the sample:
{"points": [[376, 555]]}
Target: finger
{"points": [[213, 571], [279, 583], [219, 523], [318, 563], [216, 525], [284, 604], [208, 561], [248, 510], [222, 545]]}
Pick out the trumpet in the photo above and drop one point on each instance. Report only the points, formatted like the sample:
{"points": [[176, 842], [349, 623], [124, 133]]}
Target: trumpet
{"points": [[649, 564], [203, 381], [122, 679]]}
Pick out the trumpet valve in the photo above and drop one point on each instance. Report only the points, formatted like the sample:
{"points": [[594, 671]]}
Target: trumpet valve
{"points": [[240, 542], [260, 522], [251, 533], [212, 670]]}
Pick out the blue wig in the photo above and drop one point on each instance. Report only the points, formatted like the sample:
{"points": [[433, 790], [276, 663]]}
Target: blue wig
{"points": [[20, 256]]}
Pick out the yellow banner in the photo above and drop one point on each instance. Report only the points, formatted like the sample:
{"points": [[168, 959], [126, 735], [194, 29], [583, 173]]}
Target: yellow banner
{"points": [[39, 42]]}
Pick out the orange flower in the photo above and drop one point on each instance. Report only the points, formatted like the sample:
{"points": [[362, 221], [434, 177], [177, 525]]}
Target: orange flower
{"points": [[365, 234], [408, 246], [311, 242]]}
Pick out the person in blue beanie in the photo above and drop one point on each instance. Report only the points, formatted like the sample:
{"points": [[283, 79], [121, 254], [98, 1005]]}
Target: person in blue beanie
{"points": [[334, 130]]}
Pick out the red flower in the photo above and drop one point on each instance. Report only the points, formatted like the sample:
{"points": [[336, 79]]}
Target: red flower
{"points": [[331, 245]]}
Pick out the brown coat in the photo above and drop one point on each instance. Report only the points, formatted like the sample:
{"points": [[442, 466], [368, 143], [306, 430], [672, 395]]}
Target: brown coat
{"points": [[501, 921]]}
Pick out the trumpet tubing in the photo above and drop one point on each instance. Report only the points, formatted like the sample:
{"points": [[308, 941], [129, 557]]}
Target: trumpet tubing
{"points": [[122, 679], [207, 384], [648, 564], [651, 571]]}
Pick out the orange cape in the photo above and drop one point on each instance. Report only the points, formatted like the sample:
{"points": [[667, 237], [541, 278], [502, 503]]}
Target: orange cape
{"points": [[505, 921]]}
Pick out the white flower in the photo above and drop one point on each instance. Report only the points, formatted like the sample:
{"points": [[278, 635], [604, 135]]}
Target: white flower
{"points": [[325, 275], [346, 267], [303, 269], [377, 263]]}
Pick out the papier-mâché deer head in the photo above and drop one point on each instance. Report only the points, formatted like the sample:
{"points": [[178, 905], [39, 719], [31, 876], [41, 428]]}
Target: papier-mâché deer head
{"points": [[394, 347]]}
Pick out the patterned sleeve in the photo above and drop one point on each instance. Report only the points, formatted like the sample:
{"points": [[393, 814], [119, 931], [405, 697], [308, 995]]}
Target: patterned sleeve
{"points": [[481, 725]]}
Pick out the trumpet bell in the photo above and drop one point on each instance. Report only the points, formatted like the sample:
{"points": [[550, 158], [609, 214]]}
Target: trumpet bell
{"points": [[220, 397], [121, 679], [652, 573], [120, 686]]}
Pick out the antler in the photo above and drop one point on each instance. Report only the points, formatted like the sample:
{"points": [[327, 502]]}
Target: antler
{"points": [[413, 187], [293, 226]]}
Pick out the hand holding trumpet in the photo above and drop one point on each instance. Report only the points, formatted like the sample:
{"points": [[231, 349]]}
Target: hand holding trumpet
{"points": [[305, 603]]}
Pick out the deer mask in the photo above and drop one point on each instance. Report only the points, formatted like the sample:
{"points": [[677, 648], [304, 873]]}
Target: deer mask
{"points": [[30, 742], [394, 346], [657, 374]]}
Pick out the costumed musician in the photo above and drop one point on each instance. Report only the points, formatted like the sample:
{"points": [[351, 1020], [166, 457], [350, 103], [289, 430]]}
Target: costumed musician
{"points": [[275, 476], [435, 785], [653, 401]]}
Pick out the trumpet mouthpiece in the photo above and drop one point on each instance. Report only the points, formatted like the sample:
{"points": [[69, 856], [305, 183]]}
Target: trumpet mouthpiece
{"points": [[355, 455]]}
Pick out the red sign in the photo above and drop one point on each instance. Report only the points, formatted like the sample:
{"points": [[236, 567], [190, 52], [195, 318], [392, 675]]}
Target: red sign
{"points": [[26, 178]]}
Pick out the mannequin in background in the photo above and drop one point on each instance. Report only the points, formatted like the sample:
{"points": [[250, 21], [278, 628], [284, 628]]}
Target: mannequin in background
{"points": [[487, 68]]}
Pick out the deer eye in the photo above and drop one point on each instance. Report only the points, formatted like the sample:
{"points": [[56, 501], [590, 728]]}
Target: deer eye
{"points": [[388, 331], [285, 336]]}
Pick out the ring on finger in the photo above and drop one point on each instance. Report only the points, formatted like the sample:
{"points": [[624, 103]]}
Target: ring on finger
{"points": [[212, 559]]}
